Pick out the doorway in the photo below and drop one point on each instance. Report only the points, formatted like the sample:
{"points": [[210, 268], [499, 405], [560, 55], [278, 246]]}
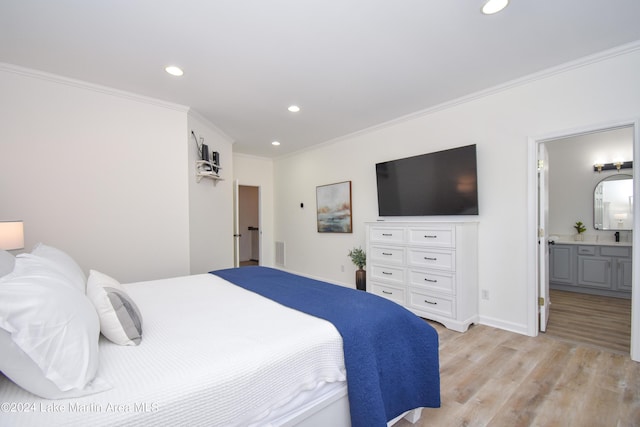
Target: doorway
{"points": [[584, 160], [249, 225]]}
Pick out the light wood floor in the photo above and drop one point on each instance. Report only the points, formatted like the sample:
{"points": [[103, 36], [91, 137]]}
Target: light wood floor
{"points": [[491, 377], [589, 319]]}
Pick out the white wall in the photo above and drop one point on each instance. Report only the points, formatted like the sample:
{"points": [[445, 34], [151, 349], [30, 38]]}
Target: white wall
{"points": [[99, 173], [258, 172], [210, 207], [572, 179], [500, 123]]}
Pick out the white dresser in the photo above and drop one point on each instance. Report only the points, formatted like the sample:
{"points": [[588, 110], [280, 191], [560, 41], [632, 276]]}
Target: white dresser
{"points": [[431, 268]]}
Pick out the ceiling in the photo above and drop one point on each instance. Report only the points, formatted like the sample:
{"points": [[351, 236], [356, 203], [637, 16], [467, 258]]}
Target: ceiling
{"points": [[349, 64]]}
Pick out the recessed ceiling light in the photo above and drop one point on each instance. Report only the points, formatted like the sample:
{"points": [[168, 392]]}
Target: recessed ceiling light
{"points": [[174, 71], [293, 108], [276, 143], [494, 6]]}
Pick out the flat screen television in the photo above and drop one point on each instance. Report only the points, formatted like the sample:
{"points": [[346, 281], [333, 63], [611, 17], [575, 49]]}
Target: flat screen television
{"points": [[439, 183]]}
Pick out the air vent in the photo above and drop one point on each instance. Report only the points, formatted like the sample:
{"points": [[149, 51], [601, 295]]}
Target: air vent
{"points": [[280, 254]]}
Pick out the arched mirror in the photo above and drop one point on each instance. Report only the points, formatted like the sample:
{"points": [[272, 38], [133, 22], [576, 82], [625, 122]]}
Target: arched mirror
{"points": [[613, 203]]}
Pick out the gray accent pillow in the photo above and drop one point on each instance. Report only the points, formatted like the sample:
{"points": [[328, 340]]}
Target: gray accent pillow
{"points": [[120, 318], [127, 313]]}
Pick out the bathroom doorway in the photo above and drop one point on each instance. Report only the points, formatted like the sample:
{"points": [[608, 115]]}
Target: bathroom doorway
{"points": [[249, 225], [576, 312]]}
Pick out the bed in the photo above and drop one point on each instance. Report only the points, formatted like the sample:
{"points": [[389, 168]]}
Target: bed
{"points": [[217, 350]]}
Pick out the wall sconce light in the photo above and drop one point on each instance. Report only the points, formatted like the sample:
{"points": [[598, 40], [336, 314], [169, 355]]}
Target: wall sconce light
{"points": [[11, 235], [599, 167]]}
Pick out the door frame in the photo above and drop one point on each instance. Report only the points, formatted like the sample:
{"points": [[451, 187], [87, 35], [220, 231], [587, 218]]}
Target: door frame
{"points": [[532, 226], [543, 236], [236, 221], [236, 224]]}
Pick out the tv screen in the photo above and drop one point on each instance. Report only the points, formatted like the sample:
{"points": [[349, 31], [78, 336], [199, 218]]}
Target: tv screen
{"points": [[440, 183]]}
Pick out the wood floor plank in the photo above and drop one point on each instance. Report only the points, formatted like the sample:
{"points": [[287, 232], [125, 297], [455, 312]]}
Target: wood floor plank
{"points": [[630, 405], [611, 371], [469, 384], [495, 378], [502, 383], [603, 322], [561, 403], [598, 409], [522, 406]]}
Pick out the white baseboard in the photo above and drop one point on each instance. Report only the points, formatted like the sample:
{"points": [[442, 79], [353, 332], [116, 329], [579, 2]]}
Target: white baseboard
{"points": [[519, 328]]}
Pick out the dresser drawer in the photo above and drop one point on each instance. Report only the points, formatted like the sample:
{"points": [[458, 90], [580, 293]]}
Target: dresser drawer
{"points": [[388, 292], [440, 259], [386, 234], [387, 254], [387, 273], [433, 280], [441, 237], [620, 251], [439, 305]]}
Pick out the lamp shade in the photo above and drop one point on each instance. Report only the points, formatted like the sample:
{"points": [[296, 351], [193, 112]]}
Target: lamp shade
{"points": [[11, 235]]}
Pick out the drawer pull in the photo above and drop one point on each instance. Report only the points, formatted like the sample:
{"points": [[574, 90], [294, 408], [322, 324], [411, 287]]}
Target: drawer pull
{"points": [[430, 237], [429, 302], [430, 259], [387, 273], [387, 234], [387, 292], [386, 253], [430, 280]]}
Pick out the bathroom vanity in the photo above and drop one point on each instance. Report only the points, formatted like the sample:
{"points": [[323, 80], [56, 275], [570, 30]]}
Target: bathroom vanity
{"points": [[598, 267], [591, 268]]}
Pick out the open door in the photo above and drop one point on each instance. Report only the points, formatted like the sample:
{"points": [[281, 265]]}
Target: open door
{"points": [[236, 224], [543, 235]]}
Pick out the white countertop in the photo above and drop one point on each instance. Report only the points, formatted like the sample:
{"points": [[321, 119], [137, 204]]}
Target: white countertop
{"points": [[588, 240]]}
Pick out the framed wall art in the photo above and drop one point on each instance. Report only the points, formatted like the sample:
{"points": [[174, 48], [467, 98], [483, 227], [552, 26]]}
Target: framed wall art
{"points": [[334, 207]]}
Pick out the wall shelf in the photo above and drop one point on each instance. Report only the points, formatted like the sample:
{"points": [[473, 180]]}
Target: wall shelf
{"points": [[205, 169]]}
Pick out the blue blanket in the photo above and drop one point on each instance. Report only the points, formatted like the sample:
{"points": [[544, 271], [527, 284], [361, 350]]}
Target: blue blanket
{"points": [[391, 355]]}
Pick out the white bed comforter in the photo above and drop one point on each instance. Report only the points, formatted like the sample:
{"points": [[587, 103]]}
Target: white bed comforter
{"points": [[212, 354]]}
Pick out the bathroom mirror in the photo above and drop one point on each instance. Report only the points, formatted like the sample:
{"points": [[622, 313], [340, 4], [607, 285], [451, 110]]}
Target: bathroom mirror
{"points": [[613, 203]]}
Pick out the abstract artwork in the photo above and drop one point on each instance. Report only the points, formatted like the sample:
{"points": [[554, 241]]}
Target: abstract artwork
{"points": [[334, 207]]}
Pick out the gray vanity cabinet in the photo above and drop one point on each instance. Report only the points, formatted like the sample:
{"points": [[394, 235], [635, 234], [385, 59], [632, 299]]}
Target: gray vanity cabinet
{"points": [[593, 269], [562, 262], [594, 272], [623, 273]]}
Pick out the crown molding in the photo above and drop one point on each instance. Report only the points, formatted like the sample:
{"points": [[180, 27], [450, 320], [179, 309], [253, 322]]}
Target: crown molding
{"points": [[549, 72], [196, 115], [54, 78], [253, 157]]}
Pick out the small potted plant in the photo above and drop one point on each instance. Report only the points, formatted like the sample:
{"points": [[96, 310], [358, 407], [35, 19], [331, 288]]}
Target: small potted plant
{"points": [[359, 258], [580, 228]]}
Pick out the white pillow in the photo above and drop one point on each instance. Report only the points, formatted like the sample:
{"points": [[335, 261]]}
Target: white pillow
{"points": [[54, 325], [120, 319], [63, 262], [7, 260], [23, 371], [36, 267]]}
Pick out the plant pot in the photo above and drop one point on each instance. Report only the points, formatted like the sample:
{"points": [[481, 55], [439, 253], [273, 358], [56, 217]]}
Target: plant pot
{"points": [[579, 237], [361, 280]]}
